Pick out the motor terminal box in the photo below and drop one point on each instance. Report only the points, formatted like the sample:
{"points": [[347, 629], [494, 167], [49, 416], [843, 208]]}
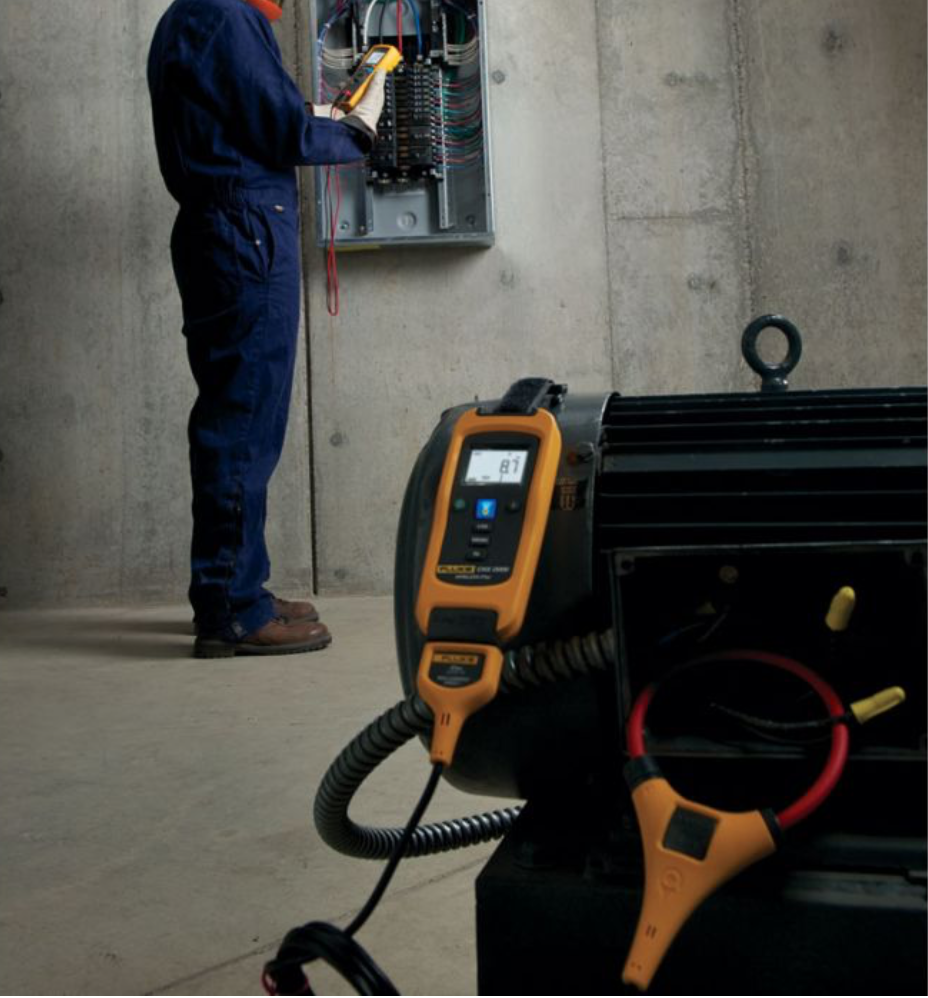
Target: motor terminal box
{"points": [[427, 180]]}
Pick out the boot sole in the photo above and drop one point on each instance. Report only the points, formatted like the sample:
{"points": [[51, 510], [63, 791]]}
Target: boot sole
{"points": [[314, 619], [217, 648]]}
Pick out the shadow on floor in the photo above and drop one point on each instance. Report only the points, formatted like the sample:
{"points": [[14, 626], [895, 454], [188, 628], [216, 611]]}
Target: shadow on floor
{"points": [[118, 636], [138, 625]]}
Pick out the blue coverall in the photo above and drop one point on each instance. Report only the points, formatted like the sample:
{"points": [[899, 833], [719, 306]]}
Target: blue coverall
{"points": [[230, 128]]}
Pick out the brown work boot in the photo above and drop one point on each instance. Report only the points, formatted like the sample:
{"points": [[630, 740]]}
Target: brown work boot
{"points": [[277, 637], [292, 612]]}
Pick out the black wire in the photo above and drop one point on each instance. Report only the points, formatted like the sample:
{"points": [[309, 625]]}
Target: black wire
{"points": [[766, 722], [320, 940], [398, 853], [766, 729], [785, 732], [383, 8]]}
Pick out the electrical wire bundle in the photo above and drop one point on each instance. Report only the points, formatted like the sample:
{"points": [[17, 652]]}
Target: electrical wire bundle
{"points": [[458, 114], [464, 16], [456, 105], [398, 23], [457, 109], [463, 51], [339, 61]]}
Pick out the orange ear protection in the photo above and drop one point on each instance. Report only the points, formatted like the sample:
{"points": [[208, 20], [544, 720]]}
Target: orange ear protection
{"points": [[272, 11], [690, 849]]}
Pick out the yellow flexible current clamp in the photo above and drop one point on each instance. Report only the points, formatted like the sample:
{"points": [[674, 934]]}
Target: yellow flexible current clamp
{"points": [[691, 849]]}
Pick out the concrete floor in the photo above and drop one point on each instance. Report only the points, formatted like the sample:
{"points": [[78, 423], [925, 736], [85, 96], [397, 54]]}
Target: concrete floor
{"points": [[156, 834]]}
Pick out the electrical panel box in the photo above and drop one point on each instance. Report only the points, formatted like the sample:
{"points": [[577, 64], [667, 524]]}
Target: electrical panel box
{"points": [[427, 180]]}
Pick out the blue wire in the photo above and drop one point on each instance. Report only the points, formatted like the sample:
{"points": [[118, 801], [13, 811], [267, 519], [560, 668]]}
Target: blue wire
{"points": [[339, 11], [415, 17]]}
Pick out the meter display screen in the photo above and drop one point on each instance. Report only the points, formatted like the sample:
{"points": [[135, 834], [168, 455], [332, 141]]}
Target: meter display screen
{"points": [[496, 467], [374, 58]]}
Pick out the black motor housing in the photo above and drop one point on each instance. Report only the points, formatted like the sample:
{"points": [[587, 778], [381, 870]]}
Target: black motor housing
{"points": [[667, 511], [680, 526]]}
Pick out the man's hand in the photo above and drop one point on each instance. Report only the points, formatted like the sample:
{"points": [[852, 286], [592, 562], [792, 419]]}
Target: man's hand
{"points": [[368, 109]]}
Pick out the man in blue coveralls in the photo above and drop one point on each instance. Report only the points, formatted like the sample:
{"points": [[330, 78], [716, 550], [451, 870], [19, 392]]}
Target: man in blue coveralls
{"points": [[230, 128]]}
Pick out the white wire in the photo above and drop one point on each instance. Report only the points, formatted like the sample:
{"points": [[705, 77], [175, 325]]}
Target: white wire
{"points": [[461, 55], [367, 17], [340, 59]]}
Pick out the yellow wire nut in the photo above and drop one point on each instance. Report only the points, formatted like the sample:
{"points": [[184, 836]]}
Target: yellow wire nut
{"points": [[841, 609], [870, 707]]}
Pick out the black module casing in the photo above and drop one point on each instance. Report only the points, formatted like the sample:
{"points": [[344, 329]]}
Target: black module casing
{"points": [[501, 752]]}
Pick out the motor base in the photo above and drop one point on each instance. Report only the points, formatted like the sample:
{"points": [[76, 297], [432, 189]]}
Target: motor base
{"points": [[557, 906]]}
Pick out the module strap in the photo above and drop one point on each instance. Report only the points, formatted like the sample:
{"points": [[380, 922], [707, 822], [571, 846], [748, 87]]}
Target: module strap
{"points": [[522, 398]]}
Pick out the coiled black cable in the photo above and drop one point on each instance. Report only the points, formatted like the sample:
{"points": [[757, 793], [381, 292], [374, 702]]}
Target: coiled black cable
{"points": [[552, 661], [524, 667]]}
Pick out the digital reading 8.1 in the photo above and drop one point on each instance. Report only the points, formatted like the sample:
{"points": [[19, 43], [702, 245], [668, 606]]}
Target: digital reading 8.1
{"points": [[495, 467]]}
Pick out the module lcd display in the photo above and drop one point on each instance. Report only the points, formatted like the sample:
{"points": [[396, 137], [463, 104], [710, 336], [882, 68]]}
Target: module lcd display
{"points": [[496, 467]]}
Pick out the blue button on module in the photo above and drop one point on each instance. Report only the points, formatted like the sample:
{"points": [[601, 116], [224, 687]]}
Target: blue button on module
{"points": [[486, 509]]}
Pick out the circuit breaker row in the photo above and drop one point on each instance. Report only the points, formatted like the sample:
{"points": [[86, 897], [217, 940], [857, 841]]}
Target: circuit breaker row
{"points": [[408, 134]]}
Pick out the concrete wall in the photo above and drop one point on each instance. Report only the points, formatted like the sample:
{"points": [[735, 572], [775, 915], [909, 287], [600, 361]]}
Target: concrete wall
{"points": [[664, 170], [672, 158], [764, 157], [834, 93]]}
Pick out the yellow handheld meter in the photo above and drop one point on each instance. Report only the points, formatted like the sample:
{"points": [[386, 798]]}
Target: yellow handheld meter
{"points": [[379, 58], [491, 511]]}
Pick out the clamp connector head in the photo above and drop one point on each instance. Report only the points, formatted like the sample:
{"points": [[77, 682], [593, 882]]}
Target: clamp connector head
{"points": [[690, 850], [455, 680]]}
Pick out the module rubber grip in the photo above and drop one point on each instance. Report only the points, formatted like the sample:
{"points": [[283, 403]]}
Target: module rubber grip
{"points": [[690, 850]]}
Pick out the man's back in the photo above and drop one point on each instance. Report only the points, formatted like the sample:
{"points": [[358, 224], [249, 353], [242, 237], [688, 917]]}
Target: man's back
{"points": [[226, 112]]}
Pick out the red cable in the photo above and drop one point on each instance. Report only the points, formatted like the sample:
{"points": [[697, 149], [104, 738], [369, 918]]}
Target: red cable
{"points": [[840, 738], [332, 303], [268, 984], [399, 25], [635, 726]]}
